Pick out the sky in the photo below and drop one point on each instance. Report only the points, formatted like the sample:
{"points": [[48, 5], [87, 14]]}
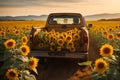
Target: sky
{"points": [[44, 7]]}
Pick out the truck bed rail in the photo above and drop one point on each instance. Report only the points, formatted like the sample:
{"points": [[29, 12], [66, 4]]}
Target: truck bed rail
{"points": [[58, 55]]}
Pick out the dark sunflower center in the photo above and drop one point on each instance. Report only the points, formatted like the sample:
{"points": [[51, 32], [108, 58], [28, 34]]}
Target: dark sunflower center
{"points": [[76, 36], [31, 62], [101, 65], [118, 35], [10, 44], [60, 41], [17, 32], [8, 31], [68, 38], [105, 33], [70, 44], [110, 29], [12, 74], [24, 40], [106, 50], [2, 33], [61, 37], [24, 49], [110, 36]]}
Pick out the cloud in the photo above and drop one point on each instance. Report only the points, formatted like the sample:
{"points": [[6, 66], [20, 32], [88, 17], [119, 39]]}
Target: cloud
{"points": [[22, 3]]}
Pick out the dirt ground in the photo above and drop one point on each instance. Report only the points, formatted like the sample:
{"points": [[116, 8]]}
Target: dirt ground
{"points": [[67, 69], [63, 69]]}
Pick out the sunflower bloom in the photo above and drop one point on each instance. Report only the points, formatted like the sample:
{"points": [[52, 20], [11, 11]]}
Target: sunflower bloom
{"points": [[106, 50], [70, 44], [100, 66], [10, 43], [105, 33], [110, 36], [61, 36], [72, 49], [33, 63], [2, 33], [60, 42], [24, 49], [11, 74], [24, 40], [16, 32], [68, 38], [118, 35], [76, 36], [64, 34]]}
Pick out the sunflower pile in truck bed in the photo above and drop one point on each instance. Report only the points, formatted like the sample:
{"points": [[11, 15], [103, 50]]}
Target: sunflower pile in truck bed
{"points": [[56, 41]]}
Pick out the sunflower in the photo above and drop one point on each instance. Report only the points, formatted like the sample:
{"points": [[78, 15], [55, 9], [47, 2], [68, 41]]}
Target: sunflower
{"points": [[11, 74], [8, 31], [100, 65], [16, 32], [106, 50], [105, 33], [110, 36], [60, 42], [61, 36], [69, 32], [76, 36], [72, 49], [57, 34], [33, 63], [68, 38], [118, 35], [116, 27], [10, 43], [70, 44], [24, 49], [2, 33], [24, 40], [110, 29], [64, 34]]}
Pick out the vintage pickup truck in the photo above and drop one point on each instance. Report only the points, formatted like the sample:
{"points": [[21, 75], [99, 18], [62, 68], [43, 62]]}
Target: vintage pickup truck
{"points": [[65, 35]]}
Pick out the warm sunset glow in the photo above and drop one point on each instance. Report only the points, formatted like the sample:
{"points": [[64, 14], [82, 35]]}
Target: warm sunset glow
{"points": [[38, 7]]}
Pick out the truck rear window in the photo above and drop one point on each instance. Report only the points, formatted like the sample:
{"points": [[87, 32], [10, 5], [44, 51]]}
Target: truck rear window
{"points": [[64, 20]]}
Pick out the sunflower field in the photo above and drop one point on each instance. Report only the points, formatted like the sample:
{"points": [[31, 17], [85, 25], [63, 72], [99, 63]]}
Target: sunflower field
{"points": [[15, 63], [107, 35], [14, 49]]}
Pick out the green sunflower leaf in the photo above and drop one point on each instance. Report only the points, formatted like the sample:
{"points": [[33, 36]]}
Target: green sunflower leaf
{"points": [[88, 63]]}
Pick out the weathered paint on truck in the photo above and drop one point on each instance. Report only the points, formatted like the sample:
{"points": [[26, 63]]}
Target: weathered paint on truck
{"points": [[55, 21]]}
